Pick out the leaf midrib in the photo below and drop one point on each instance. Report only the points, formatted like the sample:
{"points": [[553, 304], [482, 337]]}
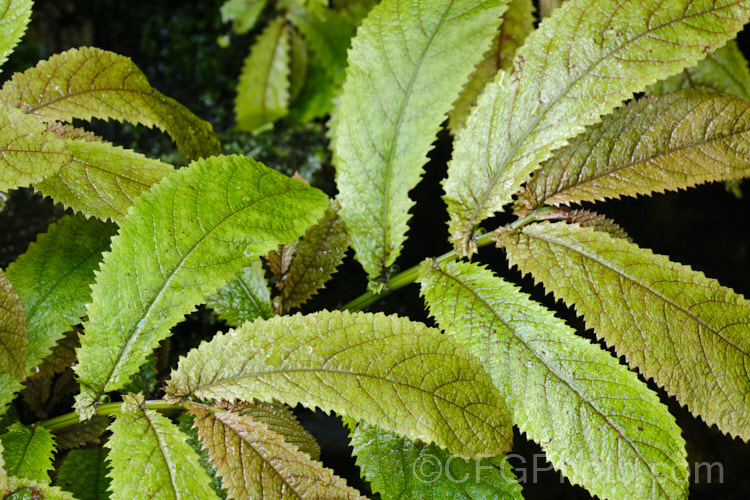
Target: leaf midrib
{"points": [[162, 446]]}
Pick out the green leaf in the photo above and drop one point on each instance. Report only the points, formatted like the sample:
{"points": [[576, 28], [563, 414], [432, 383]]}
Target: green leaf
{"points": [[423, 385], [150, 458], [28, 452], [14, 17], [597, 423], [668, 142], [27, 489], [54, 277], [14, 337], [243, 14], [91, 83], [298, 63], [84, 473], [399, 468], [263, 89], [582, 61], [182, 240], [678, 327], [245, 298], [9, 386], [243, 448], [81, 433], [315, 98], [102, 180], [398, 90]]}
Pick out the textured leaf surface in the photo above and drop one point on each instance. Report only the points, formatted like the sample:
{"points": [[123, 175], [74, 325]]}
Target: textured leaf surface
{"points": [[77, 435], [256, 462], [597, 423], [678, 327], [263, 89], [180, 242], [315, 98], [245, 298], [14, 16], [407, 65], [150, 458], [243, 14], [423, 384], [581, 62], [668, 142], [28, 452], [398, 468], [24, 489], [84, 473], [54, 277], [14, 337], [90, 83]]}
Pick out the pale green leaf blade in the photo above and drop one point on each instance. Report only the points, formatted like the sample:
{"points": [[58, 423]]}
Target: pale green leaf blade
{"points": [[241, 448], [54, 277], [150, 458], [398, 90], [9, 386], [263, 89], [243, 14], [660, 143], [684, 330], [14, 336], [398, 468], [84, 473], [181, 241], [24, 489], [424, 385], [102, 180], [91, 83], [14, 17], [582, 62], [567, 394], [27, 452], [245, 298]]}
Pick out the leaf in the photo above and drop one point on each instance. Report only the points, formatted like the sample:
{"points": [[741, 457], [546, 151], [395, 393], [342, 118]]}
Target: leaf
{"points": [[669, 142], [245, 298], [27, 452], [62, 355], [263, 89], [150, 458], [678, 327], [582, 61], [243, 14], [14, 17], [181, 241], [423, 385], [54, 277], [102, 180], [398, 90], [81, 433], [597, 423], [14, 337], [84, 473], [298, 63], [9, 386], [399, 468], [91, 83], [23, 489], [315, 98], [242, 448]]}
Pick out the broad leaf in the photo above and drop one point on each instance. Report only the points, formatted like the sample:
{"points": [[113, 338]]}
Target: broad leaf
{"points": [[242, 448], [245, 298], [668, 142], [90, 83], [686, 331], [423, 385], [582, 61], [243, 14], [27, 452], [14, 337], [565, 393], [182, 240], [150, 458], [81, 433], [398, 90], [84, 473], [14, 17], [23, 489], [397, 468]]}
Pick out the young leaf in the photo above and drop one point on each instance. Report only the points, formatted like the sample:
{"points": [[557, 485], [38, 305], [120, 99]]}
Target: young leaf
{"points": [[14, 337], [242, 448], [243, 14], [398, 90], [150, 458], [686, 331], [14, 17], [245, 298], [397, 467], [423, 385], [581, 62], [27, 452], [668, 142], [90, 83], [315, 98], [263, 89], [181, 241], [567, 394], [84, 473]]}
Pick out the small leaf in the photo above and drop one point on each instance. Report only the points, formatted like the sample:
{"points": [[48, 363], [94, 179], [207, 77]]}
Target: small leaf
{"points": [[243, 14], [84, 473], [423, 384], [28, 452], [279, 261], [242, 448], [399, 468], [14, 17], [686, 331], [398, 90], [81, 433], [182, 240], [245, 298], [14, 337], [582, 62], [150, 458], [91, 83]]}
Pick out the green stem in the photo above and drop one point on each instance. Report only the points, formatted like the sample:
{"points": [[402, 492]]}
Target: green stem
{"points": [[105, 410]]}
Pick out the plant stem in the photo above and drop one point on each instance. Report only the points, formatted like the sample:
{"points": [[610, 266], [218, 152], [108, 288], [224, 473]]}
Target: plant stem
{"points": [[105, 410]]}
